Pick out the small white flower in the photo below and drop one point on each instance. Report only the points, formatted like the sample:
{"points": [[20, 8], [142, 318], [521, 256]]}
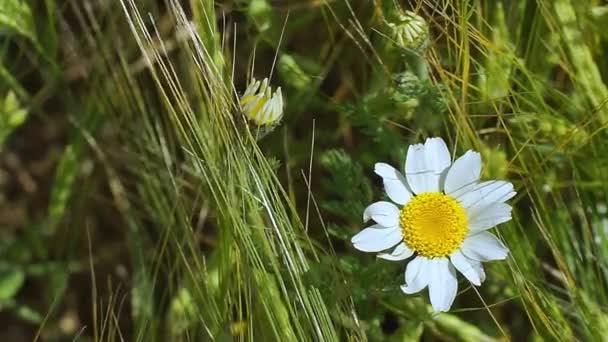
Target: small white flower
{"points": [[260, 105], [442, 216]]}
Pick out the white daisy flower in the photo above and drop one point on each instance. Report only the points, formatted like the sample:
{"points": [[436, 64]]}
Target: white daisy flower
{"points": [[441, 217], [260, 105]]}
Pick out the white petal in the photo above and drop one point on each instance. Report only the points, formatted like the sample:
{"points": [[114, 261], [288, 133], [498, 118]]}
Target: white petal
{"points": [[466, 266], [384, 213], [417, 275], [484, 247], [395, 184], [437, 155], [463, 175], [479, 268], [487, 192], [483, 218], [401, 252], [369, 232], [425, 164], [375, 240], [415, 169], [443, 284]]}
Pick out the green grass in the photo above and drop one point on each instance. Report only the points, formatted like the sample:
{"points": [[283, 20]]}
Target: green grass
{"points": [[163, 215]]}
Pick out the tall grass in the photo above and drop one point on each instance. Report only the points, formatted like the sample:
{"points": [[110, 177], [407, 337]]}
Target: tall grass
{"points": [[255, 274]]}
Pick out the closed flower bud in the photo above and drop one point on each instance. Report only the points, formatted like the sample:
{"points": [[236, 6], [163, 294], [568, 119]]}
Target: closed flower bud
{"points": [[410, 31], [260, 105]]}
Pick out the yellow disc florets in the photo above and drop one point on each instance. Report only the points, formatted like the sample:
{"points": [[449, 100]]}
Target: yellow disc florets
{"points": [[433, 224]]}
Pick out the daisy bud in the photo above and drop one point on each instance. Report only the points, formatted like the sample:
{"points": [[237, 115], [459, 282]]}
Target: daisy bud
{"points": [[261, 105], [410, 31]]}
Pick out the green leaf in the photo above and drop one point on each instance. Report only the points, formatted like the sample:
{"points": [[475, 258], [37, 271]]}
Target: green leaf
{"points": [[587, 72], [261, 13], [458, 329], [11, 280], [47, 33], [62, 185], [182, 312], [351, 189], [293, 74], [11, 82], [28, 314], [16, 17], [12, 115], [409, 331]]}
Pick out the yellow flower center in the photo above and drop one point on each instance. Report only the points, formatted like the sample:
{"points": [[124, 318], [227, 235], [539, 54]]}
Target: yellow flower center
{"points": [[433, 224]]}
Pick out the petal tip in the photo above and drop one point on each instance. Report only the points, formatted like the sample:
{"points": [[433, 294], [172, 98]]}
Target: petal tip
{"points": [[377, 166], [359, 248], [415, 147], [505, 253], [434, 139], [382, 256], [380, 169]]}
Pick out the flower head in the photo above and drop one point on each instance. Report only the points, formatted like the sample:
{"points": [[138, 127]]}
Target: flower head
{"points": [[441, 217], [410, 31], [261, 105]]}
